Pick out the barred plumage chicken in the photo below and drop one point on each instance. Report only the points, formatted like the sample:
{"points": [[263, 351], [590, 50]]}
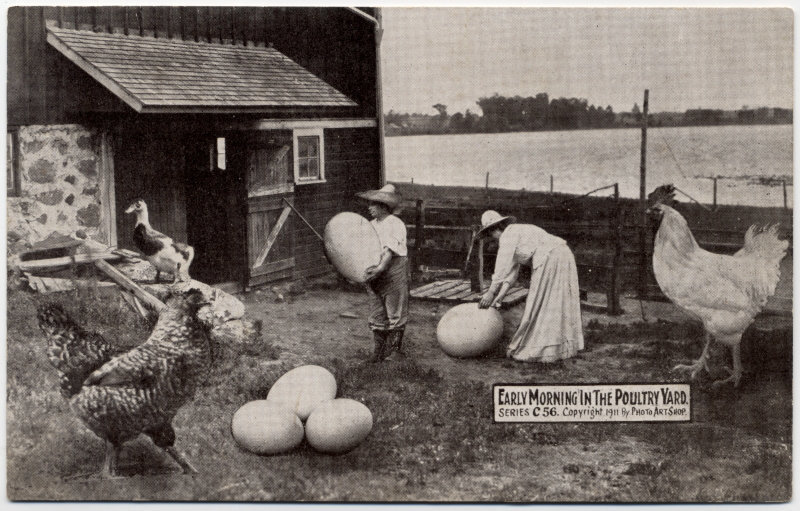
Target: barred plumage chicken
{"points": [[139, 391]]}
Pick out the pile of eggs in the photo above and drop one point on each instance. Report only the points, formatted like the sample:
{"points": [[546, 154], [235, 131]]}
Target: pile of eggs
{"points": [[304, 394]]}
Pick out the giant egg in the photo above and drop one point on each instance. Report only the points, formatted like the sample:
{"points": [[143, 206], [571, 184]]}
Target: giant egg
{"points": [[264, 427], [303, 388], [352, 245], [338, 425], [468, 331]]}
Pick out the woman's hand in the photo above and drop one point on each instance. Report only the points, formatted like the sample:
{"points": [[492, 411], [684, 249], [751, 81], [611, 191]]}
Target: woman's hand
{"points": [[486, 300]]}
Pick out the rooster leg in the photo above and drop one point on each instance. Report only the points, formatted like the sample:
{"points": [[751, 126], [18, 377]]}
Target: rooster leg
{"points": [[164, 437], [182, 461], [109, 469], [701, 363], [111, 464], [736, 373]]}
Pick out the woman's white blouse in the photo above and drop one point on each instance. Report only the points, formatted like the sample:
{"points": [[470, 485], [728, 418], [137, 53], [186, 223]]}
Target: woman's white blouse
{"points": [[392, 234], [522, 244]]}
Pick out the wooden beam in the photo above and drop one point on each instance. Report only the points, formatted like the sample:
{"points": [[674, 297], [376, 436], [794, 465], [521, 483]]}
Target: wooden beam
{"points": [[148, 299], [273, 267], [481, 280], [288, 124], [108, 212], [134, 303], [273, 235], [59, 262]]}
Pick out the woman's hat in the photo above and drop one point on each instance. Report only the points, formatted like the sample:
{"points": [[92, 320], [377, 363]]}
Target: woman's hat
{"points": [[491, 219], [387, 195]]}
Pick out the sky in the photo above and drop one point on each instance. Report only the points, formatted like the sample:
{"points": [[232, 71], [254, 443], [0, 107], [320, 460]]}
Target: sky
{"points": [[688, 58]]}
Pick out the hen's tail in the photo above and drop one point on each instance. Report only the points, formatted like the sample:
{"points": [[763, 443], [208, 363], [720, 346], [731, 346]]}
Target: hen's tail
{"points": [[762, 245], [72, 350], [187, 252]]}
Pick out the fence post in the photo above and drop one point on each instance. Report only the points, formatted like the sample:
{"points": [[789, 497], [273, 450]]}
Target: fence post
{"points": [[487, 182], [419, 234], [715, 192], [615, 224], [551, 184], [643, 203], [785, 199]]}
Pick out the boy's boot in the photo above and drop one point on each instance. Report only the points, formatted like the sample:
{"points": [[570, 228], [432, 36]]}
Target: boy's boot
{"points": [[395, 345], [381, 345]]}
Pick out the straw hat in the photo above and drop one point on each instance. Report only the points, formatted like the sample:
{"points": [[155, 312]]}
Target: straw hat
{"points": [[491, 219], [387, 195]]}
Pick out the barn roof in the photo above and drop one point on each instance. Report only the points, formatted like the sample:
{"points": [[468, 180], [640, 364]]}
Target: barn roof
{"points": [[175, 76]]}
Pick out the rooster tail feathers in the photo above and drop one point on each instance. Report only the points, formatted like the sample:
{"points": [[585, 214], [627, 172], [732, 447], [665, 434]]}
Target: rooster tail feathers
{"points": [[763, 242], [72, 350], [762, 245]]}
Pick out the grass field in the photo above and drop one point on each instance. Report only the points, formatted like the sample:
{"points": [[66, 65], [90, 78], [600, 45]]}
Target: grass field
{"points": [[433, 437]]}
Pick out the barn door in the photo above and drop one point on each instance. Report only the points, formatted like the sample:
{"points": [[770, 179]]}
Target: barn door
{"points": [[267, 161]]}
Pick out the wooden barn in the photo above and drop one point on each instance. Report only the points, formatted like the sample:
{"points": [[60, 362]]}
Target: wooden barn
{"points": [[218, 117]]}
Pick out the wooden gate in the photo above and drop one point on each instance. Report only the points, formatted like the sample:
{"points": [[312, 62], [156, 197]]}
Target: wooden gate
{"points": [[267, 161]]}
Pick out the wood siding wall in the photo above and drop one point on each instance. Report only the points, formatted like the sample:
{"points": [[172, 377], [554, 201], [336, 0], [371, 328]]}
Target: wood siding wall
{"points": [[351, 165], [43, 87]]}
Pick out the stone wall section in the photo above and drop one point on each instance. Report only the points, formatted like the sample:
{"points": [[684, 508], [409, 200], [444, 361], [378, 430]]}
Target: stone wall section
{"points": [[60, 167]]}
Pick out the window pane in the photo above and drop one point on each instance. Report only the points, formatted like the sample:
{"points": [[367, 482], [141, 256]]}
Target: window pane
{"points": [[313, 167], [303, 162], [307, 146], [221, 153]]}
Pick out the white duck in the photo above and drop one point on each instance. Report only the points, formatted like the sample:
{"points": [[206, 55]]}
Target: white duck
{"points": [[160, 250]]}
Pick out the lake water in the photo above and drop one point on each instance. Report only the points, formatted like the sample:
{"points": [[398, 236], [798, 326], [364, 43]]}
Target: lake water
{"points": [[751, 161]]}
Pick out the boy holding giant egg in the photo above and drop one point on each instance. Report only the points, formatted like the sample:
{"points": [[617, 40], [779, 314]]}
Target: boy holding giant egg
{"points": [[387, 281]]}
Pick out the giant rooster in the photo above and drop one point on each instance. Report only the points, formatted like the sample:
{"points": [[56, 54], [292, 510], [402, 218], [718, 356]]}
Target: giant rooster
{"points": [[725, 292]]}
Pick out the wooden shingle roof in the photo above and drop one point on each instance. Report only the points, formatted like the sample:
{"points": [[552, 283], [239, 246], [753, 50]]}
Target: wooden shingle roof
{"points": [[173, 76]]}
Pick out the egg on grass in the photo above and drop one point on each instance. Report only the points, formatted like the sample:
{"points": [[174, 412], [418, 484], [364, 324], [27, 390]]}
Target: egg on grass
{"points": [[338, 425], [468, 331], [265, 427], [302, 388]]}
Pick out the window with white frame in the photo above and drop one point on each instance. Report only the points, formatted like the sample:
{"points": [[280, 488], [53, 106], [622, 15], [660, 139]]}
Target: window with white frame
{"points": [[309, 156]]}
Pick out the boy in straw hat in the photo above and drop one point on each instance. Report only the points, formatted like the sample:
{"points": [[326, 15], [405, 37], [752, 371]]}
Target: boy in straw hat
{"points": [[550, 328], [387, 282]]}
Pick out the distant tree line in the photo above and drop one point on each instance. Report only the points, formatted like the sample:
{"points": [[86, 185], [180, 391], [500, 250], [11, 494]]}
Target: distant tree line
{"points": [[506, 114]]}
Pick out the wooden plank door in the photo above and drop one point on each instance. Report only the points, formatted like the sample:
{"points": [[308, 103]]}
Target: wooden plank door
{"points": [[266, 158]]}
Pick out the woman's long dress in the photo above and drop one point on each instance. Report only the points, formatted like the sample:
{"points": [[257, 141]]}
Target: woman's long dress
{"points": [[550, 328]]}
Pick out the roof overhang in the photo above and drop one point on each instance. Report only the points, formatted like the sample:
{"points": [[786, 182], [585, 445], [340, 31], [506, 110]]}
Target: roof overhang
{"points": [[169, 76]]}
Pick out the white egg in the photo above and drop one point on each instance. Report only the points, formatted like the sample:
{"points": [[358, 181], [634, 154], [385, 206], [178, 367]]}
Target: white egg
{"points": [[352, 245], [468, 331], [263, 427], [302, 388], [338, 425]]}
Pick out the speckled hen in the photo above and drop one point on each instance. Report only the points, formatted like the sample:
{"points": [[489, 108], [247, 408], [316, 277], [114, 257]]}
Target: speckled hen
{"points": [[139, 391]]}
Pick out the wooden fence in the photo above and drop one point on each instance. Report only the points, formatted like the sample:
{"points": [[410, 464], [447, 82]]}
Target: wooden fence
{"points": [[602, 231]]}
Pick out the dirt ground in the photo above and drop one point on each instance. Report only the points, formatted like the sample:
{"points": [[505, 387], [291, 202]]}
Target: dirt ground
{"points": [[433, 438]]}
